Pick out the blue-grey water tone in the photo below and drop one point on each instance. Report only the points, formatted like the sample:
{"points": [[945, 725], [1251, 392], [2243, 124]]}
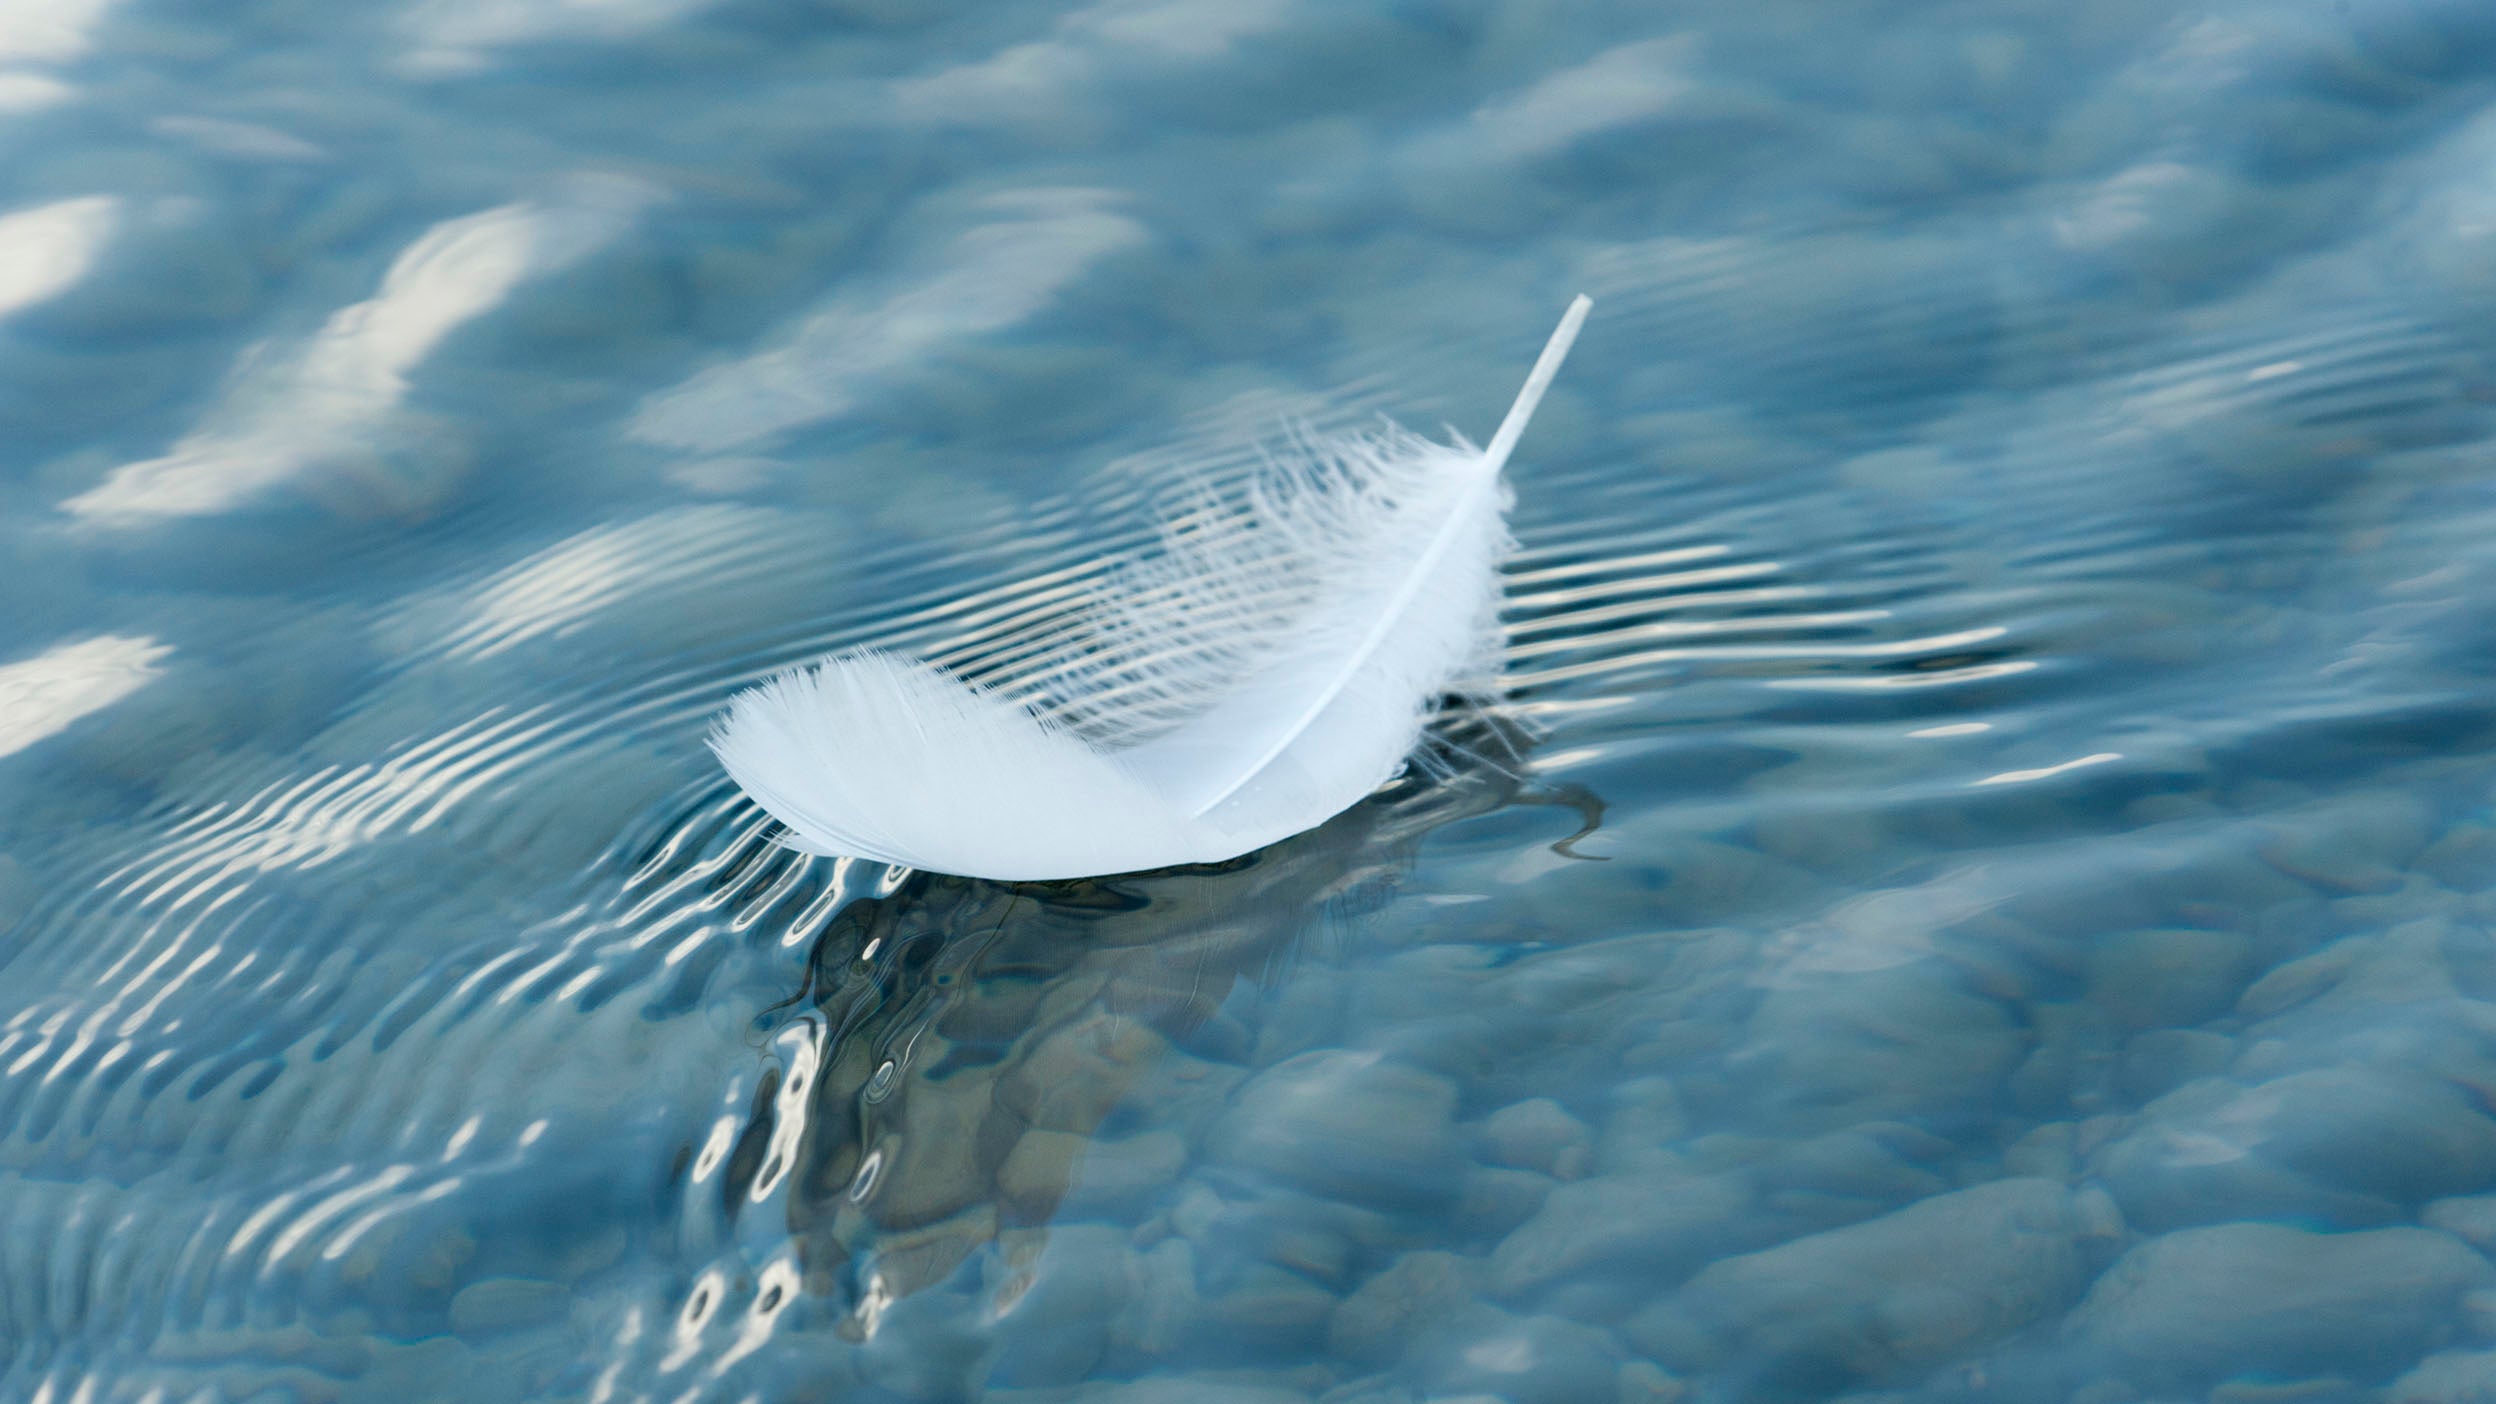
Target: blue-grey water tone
{"points": [[1984, 891]]}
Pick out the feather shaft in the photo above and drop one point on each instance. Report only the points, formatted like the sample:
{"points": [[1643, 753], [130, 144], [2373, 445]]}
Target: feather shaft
{"points": [[1538, 380]]}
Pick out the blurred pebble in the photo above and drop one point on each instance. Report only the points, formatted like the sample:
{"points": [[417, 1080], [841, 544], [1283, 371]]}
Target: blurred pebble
{"points": [[1268, 1313], [1877, 1299], [1057, 1327], [2167, 977], [2463, 858], [1658, 1227], [1537, 1134], [1645, 1119], [1114, 1179], [2161, 1060], [2201, 1304], [1373, 1325], [2347, 1145], [2472, 1219], [1482, 1350], [1496, 1199], [1903, 1042], [2357, 843], [1347, 1125], [2450, 1377], [498, 1304]]}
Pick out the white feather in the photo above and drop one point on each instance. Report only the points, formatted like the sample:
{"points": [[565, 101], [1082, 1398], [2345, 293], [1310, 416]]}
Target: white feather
{"points": [[1271, 665]]}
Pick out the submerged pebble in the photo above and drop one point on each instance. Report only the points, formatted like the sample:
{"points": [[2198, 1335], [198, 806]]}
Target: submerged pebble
{"points": [[1878, 1300], [2196, 1306], [2448, 1377], [2344, 1145], [1347, 1125]]}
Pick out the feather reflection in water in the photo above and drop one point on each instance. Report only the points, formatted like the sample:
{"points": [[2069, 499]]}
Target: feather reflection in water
{"points": [[976, 1037]]}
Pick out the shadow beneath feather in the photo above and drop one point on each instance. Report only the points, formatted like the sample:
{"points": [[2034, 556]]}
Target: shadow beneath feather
{"points": [[977, 1035]]}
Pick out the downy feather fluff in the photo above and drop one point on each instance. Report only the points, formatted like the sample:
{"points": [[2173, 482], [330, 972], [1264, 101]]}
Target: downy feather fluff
{"points": [[1273, 663]]}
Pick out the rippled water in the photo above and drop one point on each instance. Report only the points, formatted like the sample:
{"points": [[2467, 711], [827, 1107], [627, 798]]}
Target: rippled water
{"points": [[1996, 898]]}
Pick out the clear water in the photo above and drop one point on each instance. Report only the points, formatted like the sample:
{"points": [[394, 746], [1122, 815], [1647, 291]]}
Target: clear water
{"points": [[2004, 579]]}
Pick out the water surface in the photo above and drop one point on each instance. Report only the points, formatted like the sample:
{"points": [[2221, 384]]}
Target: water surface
{"points": [[1990, 893]]}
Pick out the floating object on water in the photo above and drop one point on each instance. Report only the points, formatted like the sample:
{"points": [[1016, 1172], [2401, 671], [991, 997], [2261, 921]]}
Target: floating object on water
{"points": [[1272, 664]]}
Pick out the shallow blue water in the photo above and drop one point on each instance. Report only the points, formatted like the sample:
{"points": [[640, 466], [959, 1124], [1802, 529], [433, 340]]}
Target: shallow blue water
{"points": [[2001, 609]]}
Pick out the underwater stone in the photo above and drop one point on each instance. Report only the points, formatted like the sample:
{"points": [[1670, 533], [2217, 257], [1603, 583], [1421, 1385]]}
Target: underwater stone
{"points": [[926, 1347], [2167, 977], [1080, 1070], [1699, 883], [1221, 1038], [2044, 1152], [1943, 1276], [2294, 982], [1647, 1118], [1849, 1175], [1520, 1359], [1268, 1313], [1056, 1330], [1658, 1226], [1497, 1199], [1375, 1323], [2357, 843], [1644, 1382], [2406, 1137], [1537, 1134], [1116, 1179], [2165, 223], [2161, 1060], [1162, 1301], [2453, 1377], [1036, 1173], [1905, 1043], [2201, 1304], [2411, 965], [1348, 1125], [926, 1181], [1187, 1095], [2343, 1143], [2464, 859], [1850, 846], [1435, 998], [2472, 1219], [1318, 1238], [507, 1304], [1303, 1016]]}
